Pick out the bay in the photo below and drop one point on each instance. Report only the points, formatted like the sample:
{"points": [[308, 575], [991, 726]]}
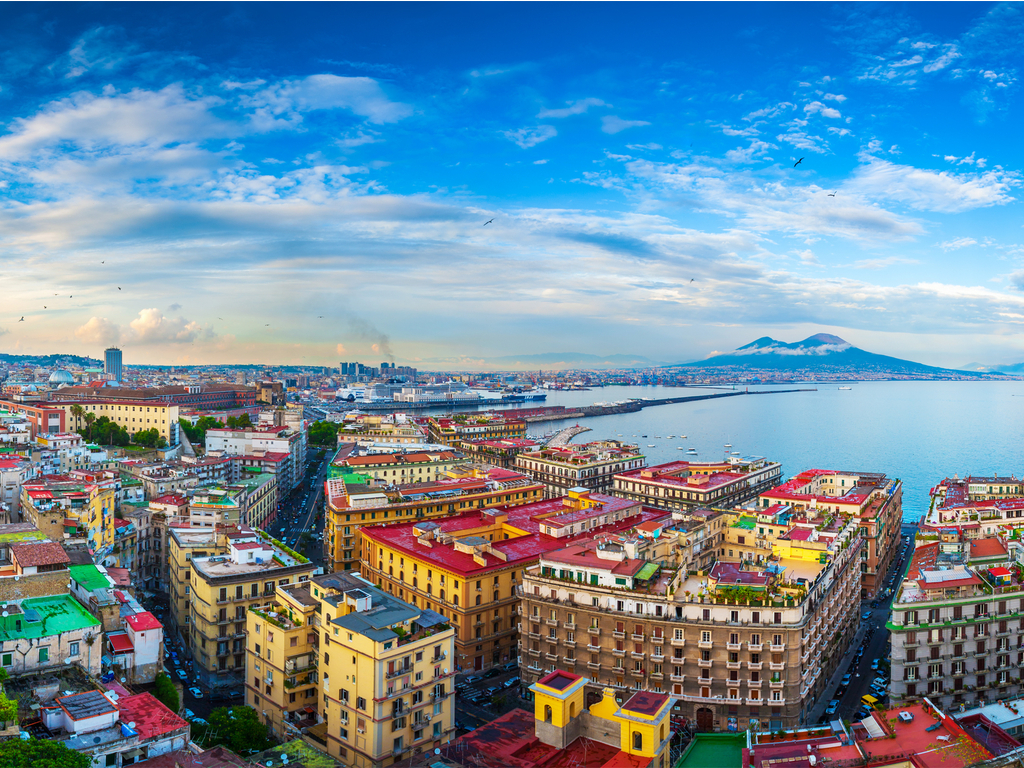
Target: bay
{"points": [[917, 431]]}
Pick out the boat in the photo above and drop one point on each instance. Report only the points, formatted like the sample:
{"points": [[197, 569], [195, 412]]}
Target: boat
{"points": [[846, 387], [691, 450], [682, 437], [680, 448], [650, 445]]}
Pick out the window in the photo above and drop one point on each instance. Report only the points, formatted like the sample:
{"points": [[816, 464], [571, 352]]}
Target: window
{"points": [[73, 649], [638, 740], [7, 660], [44, 655]]}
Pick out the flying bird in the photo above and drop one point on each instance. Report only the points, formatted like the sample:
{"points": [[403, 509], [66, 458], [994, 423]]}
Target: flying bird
{"points": [[22, 320], [119, 287], [798, 162], [487, 222], [691, 279], [833, 194]]}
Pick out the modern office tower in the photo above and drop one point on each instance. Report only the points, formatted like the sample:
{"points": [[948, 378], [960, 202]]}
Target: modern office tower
{"points": [[112, 363]]}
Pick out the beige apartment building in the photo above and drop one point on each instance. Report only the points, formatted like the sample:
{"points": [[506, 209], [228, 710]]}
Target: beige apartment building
{"points": [[681, 485], [737, 647], [586, 465], [221, 588]]}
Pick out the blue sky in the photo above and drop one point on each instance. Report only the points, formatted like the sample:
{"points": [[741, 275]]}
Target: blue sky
{"points": [[309, 183]]}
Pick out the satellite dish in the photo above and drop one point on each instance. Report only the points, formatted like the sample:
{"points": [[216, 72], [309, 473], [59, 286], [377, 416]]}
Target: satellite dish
{"points": [[5, 614], [123, 680], [132, 725], [17, 578], [437, 751], [446, 670]]}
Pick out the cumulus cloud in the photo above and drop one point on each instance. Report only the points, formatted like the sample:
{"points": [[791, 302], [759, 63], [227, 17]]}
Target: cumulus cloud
{"points": [[957, 243], [816, 107], [99, 331], [614, 124], [531, 137], [1017, 280], [150, 327], [574, 108]]}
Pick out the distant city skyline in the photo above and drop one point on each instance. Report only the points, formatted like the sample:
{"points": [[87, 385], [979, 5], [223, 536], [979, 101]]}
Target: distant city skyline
{"points": [[444, 186]]}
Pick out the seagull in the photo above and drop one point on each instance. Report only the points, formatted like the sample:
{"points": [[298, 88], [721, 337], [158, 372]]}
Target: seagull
{"points": [[691, 279], [103, 262], [268, 325], [798, 162], [487, 222], [22, 320], [833, 194], [119, 287]]}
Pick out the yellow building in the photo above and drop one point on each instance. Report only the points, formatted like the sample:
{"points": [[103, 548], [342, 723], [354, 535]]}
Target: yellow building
{"points": [[220, 590], [638, 730], [384, 672], [132, 416], [353, 502], [452, 430], [282, 654], [79, 506]]}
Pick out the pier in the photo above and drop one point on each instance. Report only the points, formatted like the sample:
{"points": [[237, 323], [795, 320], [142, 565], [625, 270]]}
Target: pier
{"points": [[564, 436]]}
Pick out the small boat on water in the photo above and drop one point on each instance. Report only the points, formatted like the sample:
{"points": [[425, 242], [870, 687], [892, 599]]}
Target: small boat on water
{"points": [[691, 450], [846, 387], [650, 445], [728, 445]]}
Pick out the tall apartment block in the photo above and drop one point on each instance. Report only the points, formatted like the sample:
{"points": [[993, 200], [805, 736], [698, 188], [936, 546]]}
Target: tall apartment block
{"points": [[586, 465], [112, 363], [681, 485]]}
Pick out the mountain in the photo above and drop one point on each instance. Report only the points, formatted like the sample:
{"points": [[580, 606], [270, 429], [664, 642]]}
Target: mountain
{"points": [[817, 353], [575, 360], [1016, 369]]}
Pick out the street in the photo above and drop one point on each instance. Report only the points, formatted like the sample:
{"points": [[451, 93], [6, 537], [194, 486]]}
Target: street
{"points": [[871, 643], [300, 509]]}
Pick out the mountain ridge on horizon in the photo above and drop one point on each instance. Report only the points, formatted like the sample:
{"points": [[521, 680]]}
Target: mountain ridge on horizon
{"points": [[821, 350]]}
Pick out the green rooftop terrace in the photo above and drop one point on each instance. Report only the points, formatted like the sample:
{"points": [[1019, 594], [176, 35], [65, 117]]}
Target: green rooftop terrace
{"points": [[55, 614], [746, 523], [16, 537], [714, 750]]}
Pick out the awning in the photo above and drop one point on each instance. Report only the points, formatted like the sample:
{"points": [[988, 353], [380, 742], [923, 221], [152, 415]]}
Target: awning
{"points": [[121, 643], [133, 753]]}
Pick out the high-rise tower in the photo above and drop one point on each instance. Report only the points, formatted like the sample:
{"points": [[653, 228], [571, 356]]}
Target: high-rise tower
{"points": [[112, 363]]}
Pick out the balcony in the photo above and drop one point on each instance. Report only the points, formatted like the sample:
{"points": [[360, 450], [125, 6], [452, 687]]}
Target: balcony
{"points": [[776, 666], [704, 663], [570, 625], [619, 653], [595, 665], [569, 662], [657, 676], [754, 683], [569, 643], [551, 622], [734, 646], [677, 642], [732, 683], [677, 678], [398, 673], [636, 672], [594, 648], [594, 630], [533, 652], [551, 656], [658, 639], [755, 665], [755, 647], [635, 655], [777, 648], [533, 635], [705, 644], [776, 683], [637, 638], [441, 657], [758, 702], [733, 664], [657, 656], [618, 635]]}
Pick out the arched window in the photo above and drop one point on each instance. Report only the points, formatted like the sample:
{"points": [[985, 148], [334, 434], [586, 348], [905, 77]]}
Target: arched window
{"points": [[572, 709], [414, 582], [430, 589], [478, 599], [547, 713], [391, 571], [662, 731], [638, 740], [455, 599], [401, 576], [441, 596]]}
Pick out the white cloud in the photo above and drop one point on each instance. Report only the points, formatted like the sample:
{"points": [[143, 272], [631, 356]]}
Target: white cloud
{"points": [[99, 331], [541, 162], [152, 327], [614, 124], [957, 243], [949, 54], [650, 147], [883, 263], [818, 107], [574, 108], [531, 137], [926, 190], [770, 112], [835, 97], [361, 95]]}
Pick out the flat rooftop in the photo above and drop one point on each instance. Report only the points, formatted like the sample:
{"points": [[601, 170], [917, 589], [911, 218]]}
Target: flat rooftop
{"points": [[46, 616]]}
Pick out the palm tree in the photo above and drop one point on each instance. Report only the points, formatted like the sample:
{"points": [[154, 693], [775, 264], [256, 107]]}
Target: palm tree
{"points": [[78, 412]]}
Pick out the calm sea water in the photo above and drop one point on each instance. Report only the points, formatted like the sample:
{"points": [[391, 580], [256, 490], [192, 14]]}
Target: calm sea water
{"points": [[918, 431]]}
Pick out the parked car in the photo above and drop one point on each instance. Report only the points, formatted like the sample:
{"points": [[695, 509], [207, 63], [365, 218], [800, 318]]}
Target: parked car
{"points": [[189, 714], [832, 707], [196, 692], [866, 615], [874, 664], [846, 679], [181, 674]]}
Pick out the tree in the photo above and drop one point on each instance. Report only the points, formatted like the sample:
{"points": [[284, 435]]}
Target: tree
{"points": [[90, 418], [165, 691], [78, 412], [238, 728], [324, 433], [35, 753], [239, 422]]}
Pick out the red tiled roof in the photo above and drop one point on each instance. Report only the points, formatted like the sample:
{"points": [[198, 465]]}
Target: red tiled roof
{"points": [[42, 553], [142, 621], [987, 547], [248, 545], [151, 718]]}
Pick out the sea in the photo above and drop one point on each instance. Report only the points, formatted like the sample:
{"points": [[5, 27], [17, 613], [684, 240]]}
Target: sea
{"points": [[917, 431]]}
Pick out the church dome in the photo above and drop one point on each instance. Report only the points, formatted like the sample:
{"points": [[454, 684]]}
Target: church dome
{"points": [[59, 377]]}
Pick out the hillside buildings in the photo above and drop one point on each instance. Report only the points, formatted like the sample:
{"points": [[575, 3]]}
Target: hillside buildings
{"points": [[373, 672], [587, 465], [681, 485], [470, 567]]}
